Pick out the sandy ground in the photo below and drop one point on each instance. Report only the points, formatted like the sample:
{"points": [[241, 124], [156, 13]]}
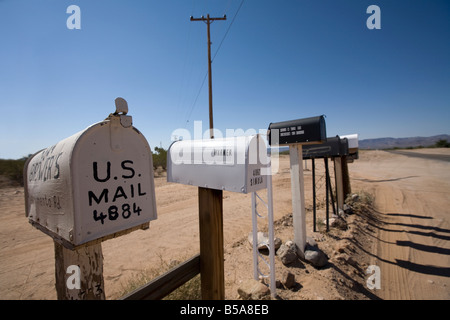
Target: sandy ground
{"points": [[407, 236], [413, 197]]}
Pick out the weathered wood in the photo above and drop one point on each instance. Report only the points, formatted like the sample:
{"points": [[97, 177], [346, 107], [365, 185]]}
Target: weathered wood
{"points": [[339, 183], [211, 243], [57, 238], [161, 286], [89, 276], [298, 197], [346, 177]]}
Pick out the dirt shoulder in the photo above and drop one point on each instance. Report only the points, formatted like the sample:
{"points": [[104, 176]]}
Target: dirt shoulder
{"points": [[412, 198]]}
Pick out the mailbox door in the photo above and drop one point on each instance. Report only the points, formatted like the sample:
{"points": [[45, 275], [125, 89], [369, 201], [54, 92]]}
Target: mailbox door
{"points": [[112, 174], [343, 147]]}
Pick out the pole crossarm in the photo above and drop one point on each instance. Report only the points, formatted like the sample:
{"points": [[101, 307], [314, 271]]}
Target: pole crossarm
{"points": [[208, 19]]}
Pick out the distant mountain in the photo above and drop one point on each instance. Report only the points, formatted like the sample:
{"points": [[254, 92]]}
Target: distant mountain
{"points": [[387, 143]]}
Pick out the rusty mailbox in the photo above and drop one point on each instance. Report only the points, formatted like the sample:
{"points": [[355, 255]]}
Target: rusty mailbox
{"points": [[94, 185]]}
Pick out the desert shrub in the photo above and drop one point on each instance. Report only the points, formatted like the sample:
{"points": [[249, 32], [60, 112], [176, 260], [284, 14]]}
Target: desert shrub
{"points": [[361, 201], [159, 158], [442, 143], [13, 169]]}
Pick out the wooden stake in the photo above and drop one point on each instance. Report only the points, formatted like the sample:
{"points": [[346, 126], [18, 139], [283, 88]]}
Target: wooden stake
{"points": [[298, 197], [79, 273], [211, 244]]}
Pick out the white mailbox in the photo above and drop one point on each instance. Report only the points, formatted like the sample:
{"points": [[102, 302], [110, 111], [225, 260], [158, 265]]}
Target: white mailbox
{"points": [[94, 185], [353, 146], [238, 164]]}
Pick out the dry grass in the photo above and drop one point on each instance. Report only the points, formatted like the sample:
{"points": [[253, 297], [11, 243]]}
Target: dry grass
{"points": [[191, 290]]}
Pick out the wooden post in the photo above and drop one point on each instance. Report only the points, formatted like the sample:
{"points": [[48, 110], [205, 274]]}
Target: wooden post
{"points": [[345, 177], [79, 273], [339, 183], [314, 192], [327, 188], [298, 197], [210, 205]]}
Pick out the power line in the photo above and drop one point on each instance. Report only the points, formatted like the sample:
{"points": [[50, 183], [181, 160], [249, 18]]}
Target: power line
{"points": [[229, 27]]}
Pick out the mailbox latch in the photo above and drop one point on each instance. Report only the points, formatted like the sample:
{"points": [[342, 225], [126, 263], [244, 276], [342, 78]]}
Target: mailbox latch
{"points": [[119, 120]]}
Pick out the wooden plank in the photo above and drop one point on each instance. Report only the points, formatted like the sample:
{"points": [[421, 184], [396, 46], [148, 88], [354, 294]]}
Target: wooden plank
{"points": [[79, 273], [211, 243], [298, 197], [161, 286]]}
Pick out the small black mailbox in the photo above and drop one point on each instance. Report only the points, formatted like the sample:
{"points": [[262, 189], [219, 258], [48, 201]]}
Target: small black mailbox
{"points": [[300, 131], [333, 147]]}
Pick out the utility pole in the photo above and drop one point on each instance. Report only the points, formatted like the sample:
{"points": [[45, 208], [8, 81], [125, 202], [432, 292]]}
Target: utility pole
{"points": [[208, 20], [210, 204]]}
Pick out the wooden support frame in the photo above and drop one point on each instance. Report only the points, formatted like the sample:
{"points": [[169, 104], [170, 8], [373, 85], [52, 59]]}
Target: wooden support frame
{"points": [[161, 286], [338, 175], [86, 267], [210, 203]]}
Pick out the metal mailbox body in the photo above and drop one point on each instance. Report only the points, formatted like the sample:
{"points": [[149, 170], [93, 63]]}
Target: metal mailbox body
{"points": [[237, 164], [94, 184], [353, 146], [300, 131], [333, 147]]}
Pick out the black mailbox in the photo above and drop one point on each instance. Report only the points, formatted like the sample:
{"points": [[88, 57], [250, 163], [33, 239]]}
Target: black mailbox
{"points": [[300, 131], [333, 147]]}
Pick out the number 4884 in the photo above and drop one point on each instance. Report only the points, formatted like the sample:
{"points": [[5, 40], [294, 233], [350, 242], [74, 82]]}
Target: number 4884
{"points": [[113, 212]]}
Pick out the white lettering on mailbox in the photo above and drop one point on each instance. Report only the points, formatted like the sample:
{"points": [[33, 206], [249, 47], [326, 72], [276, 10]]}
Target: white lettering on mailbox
{"points": [[102, 174]]}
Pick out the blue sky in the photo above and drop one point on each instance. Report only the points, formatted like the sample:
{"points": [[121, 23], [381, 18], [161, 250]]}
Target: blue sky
{"points": [[280, 60]]}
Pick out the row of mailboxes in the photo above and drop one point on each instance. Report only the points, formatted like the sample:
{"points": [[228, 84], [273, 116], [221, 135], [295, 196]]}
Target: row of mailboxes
{"points": [[333, 147], [99, 182], [237, 164]]}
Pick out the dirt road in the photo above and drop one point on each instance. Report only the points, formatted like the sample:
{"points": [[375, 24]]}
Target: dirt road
{"points": [[412, 194]]}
